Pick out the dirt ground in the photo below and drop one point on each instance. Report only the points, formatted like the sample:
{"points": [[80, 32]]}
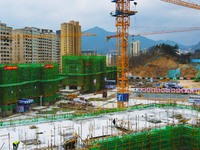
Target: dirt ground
{"points": [[189, 84], [160, 67]]}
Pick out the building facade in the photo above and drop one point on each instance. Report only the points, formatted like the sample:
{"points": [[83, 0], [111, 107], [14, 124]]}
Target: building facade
{"points": [[89, 53], [34, 45], [71, 38], [111, 59], [5, 44], [135, 48]]}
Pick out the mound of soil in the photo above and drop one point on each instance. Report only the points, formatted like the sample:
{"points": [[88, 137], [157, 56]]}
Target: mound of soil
{"points": [[160, 66]]}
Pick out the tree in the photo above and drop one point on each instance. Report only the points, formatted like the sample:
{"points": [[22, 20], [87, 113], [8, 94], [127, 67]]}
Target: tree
{"points": [[164, 49], [184, 58], [160, 49]]}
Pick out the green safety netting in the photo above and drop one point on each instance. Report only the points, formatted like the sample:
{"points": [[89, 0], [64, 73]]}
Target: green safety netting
{"points": [[83, 64], [18, 73], [87, 72], [165, 138], [34, 80], [19, 81]]}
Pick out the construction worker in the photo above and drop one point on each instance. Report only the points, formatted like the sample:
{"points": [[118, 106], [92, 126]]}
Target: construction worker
{"points": [[15, 145], [76, 135]]}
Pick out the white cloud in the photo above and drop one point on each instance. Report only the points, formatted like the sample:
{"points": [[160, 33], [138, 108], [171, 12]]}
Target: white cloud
{"points": [[155, 15], [152, 15]]}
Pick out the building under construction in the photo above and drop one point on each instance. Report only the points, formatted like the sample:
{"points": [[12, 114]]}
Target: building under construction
{"points": [[87, 73], [133, 128], [35, 81], [183, 137], [41, 82]]}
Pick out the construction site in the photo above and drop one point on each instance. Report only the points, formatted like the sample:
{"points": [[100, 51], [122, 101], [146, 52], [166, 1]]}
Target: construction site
{"points": [[92, 106], [145, 124]]}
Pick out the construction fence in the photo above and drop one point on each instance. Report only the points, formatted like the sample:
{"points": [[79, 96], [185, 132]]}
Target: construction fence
{"points": [[59, 117], [182, 137], [166, 90]]}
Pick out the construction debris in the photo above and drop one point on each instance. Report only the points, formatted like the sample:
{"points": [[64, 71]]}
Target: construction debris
{"points": [[70, 144]]}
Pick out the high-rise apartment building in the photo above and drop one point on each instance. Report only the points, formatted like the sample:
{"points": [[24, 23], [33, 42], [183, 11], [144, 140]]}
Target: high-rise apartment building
{"points": [[49, 46], [111, 59], [25, 45], [89, 53], [34, 45], [5, 44], [71, 38], [135, 48]]}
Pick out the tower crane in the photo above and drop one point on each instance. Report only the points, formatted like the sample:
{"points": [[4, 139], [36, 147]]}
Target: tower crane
{"points": [[169, 31], [88, 34], [122, 19], [183, 3], [158, 32]]}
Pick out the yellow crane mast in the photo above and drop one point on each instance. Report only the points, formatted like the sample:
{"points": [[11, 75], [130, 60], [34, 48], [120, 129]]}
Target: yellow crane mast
{"points": [[183, 3], [122, 14]]}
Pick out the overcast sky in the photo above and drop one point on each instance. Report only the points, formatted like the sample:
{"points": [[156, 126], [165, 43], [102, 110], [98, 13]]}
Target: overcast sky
{"points": [[153, 15]]}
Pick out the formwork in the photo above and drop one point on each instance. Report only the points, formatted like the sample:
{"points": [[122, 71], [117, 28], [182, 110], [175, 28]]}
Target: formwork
{"points": [[90, 114], [175, 137], [183, 137]]}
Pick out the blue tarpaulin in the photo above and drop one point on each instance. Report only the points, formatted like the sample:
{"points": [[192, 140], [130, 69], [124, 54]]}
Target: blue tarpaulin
{"points": [[25, 101], [174, 73], [195, 60]]}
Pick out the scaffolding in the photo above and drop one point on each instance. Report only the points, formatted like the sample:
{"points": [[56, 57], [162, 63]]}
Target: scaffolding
{"points": [[87, 72], [106, 136], [165, 138], [19, 81]]}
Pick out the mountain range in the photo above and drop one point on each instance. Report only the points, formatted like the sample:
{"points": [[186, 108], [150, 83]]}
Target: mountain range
{"points": [[102, 46]]}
